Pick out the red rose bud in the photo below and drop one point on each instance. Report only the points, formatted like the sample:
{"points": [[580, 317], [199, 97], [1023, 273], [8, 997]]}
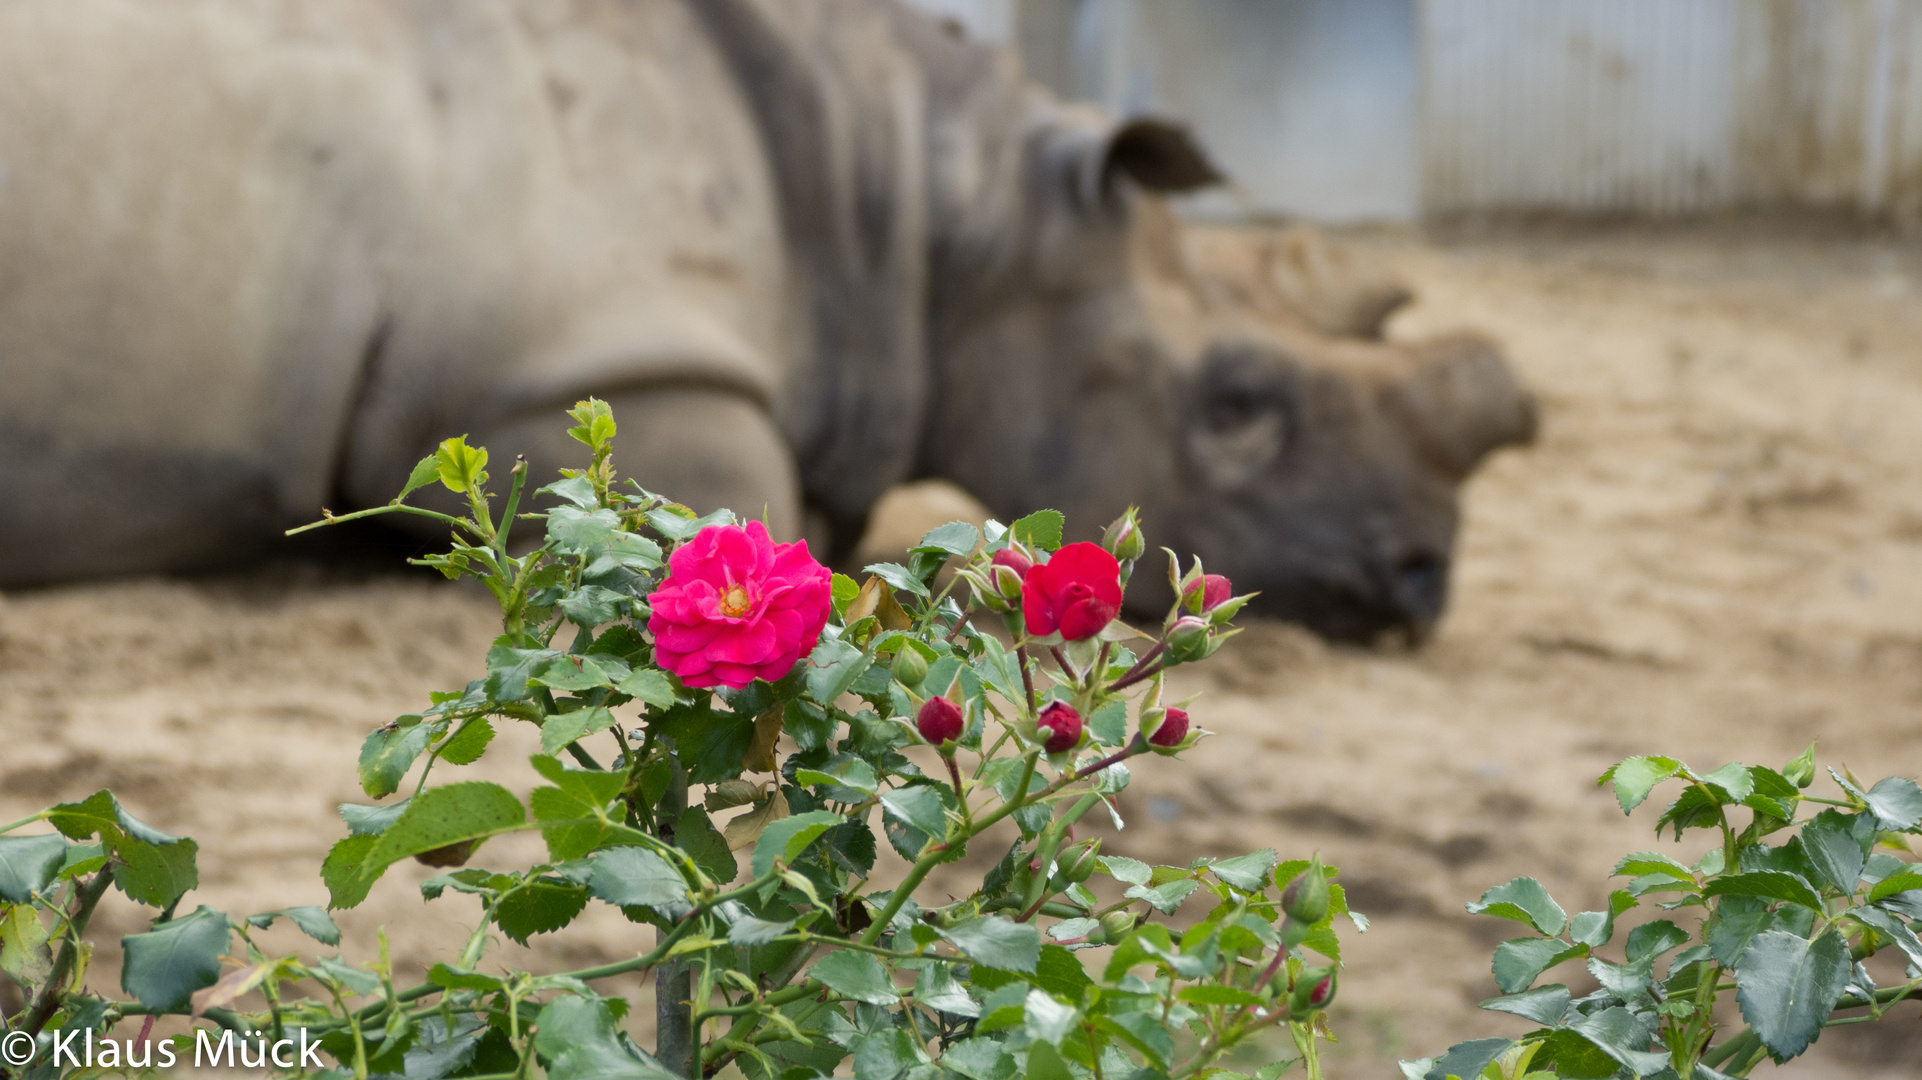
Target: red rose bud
{"points": [[1173, 729], [1188, 640], [940, 721], [1123, 539], [1078, 863], [1314, 991], [1207, 593], [1306, 898], [1061, 726], [1077, 592], [1013, 560]]}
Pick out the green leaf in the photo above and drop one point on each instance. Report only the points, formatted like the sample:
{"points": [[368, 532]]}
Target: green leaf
{"points": [[639, 877], [748, 931], [1466, 1060], [1249, 872], [1619, 1034], [1520, 962], [1837, 847], [29, 864], [695, 834], [580, 1040], [1637, 776], [900, 577], [1769, 885], [1654, 938], [1653, 862], [1165, 897], [576, 532], [843, 589], [152, 867], [920, 806], [1059, 972], [1786, 985], [508, 670], [1047, 1022], [1546, 1005], [1895, 883], [712, 745], [340, 871], [678, 528], [578, 490], [1041, 529], [389, 752], [832, 668], [1897, 802], [469, 743], [164, 966], [1126, 870], [539, 907], [1144, 1031], [845, 771], [589, 787], [24, 954], [979, 1059], [573, 674], [787, 838], [426, 471], [937, 989], [957, 538], [561, 730], [442, 816], [1109, 724], [887, 1054], [1733, 931], [856, 976], [312, 921], [649, 686], [1523, 900], [459, 465], [997, 942], [1733, 780]]}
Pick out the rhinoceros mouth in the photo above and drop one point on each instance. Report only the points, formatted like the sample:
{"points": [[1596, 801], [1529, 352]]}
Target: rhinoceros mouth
{"points": [[1406, 605]]}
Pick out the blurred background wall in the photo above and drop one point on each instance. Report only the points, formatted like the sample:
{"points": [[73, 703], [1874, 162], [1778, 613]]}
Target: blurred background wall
{"points": [[1396, 110]]}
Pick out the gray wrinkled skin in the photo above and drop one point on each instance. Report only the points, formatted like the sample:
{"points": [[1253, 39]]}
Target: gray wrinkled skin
{"points": [[255, 258]]}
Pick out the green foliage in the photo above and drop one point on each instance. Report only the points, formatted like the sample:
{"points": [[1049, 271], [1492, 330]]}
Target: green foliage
{"points": [[687, 810], [1779, 911]]}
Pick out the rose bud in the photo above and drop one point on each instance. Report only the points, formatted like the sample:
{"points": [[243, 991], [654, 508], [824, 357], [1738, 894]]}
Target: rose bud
{"points": [[1117, 923], [1123, 538], [1077, 864], [940, 721], [1060, 726], [1188, 640], [1173, 729], [1212, 591], [1314, 991], [1306, 898], [1801, 771], [1013, 559], [909, 666]]}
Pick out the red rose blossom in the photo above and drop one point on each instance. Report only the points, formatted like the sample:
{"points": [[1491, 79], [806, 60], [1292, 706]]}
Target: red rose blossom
{"points": [[940, 720], [1077, 592], [736, 607], [1173, 729], [1060, 725]]}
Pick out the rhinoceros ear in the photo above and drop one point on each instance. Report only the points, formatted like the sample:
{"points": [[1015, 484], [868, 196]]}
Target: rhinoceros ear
{"points": [[1466, 401], [1160, 155]]}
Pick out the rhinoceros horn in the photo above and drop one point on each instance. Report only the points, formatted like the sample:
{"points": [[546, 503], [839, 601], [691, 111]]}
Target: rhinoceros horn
{"points": [[1465, 402]]}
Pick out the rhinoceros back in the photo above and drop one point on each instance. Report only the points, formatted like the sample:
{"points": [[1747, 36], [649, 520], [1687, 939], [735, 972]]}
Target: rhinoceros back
{"points": [[255, 258]]}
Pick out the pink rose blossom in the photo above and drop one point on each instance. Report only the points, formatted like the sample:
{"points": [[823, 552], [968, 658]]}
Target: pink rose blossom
{"points": [[736, 607]]}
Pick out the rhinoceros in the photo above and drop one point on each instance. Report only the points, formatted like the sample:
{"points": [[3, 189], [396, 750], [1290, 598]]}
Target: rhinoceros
{"points": [[258, 256]]}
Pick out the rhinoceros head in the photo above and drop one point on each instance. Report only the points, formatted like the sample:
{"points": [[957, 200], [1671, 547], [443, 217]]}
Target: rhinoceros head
{"points": [[1083, 361]]}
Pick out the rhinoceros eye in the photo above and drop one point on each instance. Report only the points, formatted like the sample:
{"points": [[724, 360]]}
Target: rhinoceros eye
{"points": [[1239, 425]]}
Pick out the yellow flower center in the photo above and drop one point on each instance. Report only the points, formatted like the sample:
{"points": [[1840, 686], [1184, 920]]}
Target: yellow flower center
{"points": [[734, 602]]}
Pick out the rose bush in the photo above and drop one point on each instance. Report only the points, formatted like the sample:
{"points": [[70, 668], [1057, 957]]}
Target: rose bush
{"points": [[678, 669]]}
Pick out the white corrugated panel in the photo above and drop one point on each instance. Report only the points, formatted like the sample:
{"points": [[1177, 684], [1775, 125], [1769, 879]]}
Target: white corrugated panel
{"points": [[1665, 106]]}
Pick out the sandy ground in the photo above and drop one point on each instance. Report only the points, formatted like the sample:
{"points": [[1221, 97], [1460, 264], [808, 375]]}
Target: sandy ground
{"points": [[1715, 552]]}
